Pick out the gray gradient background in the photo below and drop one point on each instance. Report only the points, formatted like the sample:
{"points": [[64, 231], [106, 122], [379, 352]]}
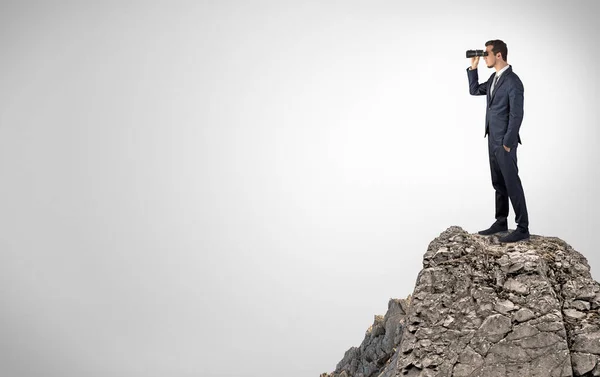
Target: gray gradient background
{"points": [[236, 188]]}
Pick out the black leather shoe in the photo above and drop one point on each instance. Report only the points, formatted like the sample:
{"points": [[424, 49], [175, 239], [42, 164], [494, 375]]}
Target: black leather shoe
{"points": [[495, 228], [516, 235]]}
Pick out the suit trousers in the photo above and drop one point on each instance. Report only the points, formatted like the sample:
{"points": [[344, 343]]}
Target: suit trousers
{"points": [[507, 184]]}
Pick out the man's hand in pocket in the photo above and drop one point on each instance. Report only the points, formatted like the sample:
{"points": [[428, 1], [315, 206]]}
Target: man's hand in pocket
{"points": [[506, 148]]}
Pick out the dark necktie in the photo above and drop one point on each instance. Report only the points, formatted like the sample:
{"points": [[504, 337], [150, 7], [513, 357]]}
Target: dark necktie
{"points": [[495, 82]]}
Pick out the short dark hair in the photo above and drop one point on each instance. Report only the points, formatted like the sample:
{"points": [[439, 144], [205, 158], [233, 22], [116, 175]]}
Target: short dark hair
{"points": [[498, 47]]}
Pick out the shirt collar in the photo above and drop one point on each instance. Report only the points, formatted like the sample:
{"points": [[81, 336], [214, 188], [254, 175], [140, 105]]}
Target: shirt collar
{"points": [[502, 70]]}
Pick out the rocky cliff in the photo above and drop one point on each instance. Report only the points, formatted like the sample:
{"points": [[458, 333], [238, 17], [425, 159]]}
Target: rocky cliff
{"points": [[481, 308]]}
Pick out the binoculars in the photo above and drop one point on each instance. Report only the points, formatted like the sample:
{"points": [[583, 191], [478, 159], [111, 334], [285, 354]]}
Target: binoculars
{"points": [[472, 53]]}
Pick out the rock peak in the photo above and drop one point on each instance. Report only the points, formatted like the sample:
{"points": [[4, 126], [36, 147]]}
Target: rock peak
{"points": [[481, 308]]}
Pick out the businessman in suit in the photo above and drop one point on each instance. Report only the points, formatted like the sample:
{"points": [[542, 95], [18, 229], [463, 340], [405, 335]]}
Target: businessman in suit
{"points": [[503, 117]]}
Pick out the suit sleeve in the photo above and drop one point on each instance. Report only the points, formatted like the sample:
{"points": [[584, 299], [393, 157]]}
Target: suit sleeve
{"points": [[475, 88], [515, 116]]}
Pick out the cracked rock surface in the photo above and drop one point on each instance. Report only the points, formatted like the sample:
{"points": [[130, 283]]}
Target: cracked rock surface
{"points": [[481, 308]]}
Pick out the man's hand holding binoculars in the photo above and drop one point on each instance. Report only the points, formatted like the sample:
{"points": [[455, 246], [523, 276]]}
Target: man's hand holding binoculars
{"points": [[474, 55]]}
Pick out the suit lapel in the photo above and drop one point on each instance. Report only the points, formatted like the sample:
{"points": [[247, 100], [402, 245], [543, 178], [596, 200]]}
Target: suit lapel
{"points": [[500, 81]]}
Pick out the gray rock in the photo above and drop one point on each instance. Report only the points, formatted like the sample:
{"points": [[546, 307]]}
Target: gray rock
{"points": [[583, 363], [495, 327], [574, 313], [516, 286], [481, 308], [523, 315], [379, 347], [505, 306], [587, 342], [581, 305], [522, 331]]}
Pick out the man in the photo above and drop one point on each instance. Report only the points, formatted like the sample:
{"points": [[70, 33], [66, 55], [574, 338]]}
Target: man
{"points": [[503, 117]]}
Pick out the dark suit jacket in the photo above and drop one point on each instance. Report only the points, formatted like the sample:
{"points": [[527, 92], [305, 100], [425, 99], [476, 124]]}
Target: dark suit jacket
{"points": [[504, 111]]}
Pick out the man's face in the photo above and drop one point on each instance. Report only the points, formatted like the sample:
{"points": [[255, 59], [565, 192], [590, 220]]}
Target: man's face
{"points": [[490, 59]]}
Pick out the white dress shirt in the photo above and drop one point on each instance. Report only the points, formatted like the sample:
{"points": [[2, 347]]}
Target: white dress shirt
{"points": [[498, 75]]}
